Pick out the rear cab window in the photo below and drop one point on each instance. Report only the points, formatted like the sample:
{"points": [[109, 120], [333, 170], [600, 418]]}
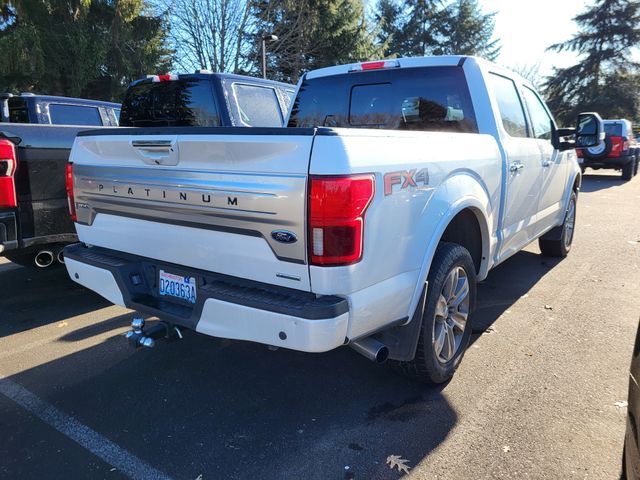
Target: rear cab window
{"points": [[65, 114], [257, 105], [421, 99], [184, 102]]}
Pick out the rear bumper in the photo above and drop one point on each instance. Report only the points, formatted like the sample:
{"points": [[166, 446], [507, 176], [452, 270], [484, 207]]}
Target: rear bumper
{"points": [[609, 162], [226, 307]]}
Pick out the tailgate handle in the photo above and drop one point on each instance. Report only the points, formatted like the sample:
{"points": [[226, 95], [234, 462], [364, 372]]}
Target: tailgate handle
{"points": [[155, 144], [158, 152]]}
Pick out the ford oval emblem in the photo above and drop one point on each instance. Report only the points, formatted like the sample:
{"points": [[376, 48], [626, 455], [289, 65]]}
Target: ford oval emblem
{"points": [[284, 236]]}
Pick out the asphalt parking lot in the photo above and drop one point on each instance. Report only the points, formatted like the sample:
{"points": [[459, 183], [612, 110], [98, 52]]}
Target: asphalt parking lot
{"points": [[535, 396]]}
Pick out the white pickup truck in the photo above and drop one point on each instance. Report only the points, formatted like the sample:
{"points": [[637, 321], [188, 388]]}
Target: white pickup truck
{"points": [[367, 221]]}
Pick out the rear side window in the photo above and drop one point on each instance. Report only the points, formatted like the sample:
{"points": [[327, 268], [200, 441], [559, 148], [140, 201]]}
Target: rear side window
{"points": [[509, 105], [183, 103], [425, 99], [61, 114], [613, 129], [18, 111], [257, 106]]}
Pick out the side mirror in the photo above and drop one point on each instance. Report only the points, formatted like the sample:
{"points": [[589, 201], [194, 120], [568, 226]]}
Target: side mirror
{"points": [[590, 130]]}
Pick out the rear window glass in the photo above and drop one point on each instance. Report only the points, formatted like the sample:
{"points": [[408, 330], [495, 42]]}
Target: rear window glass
{"points": [[613, 129], [257, 106], [427, 99], [74, 115], [183, 103], [18, 112]]}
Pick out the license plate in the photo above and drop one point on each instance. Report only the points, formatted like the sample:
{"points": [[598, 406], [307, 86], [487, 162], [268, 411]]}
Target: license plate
{"points": [[178, 286]]}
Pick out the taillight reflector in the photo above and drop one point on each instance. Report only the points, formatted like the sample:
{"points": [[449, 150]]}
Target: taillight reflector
{"points": [[8, 166], [68, 176], [336, 218]]}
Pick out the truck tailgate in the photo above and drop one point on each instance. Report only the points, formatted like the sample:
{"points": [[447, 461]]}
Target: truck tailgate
{"points": [[227, 200]]}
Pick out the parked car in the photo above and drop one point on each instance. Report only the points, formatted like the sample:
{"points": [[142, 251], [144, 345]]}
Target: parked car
{"points": [[619, 150], [205, 99], [368, 221], [34, 219], [631, 453], [51, 110]]}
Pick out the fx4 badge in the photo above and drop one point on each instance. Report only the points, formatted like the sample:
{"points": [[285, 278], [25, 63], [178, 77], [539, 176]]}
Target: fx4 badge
{"points": [[406, 179]]}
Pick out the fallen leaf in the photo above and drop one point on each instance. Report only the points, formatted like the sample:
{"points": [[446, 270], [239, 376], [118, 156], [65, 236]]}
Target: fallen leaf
{"points": [[621, 404], [548, 307], [397, 461], [62, 324], [506, 449]]}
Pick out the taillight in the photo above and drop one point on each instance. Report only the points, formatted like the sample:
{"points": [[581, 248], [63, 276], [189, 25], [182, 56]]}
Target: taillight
{"points": [[579, 152], [336, 218], [617, 146], [8, 165], [68, 177]]}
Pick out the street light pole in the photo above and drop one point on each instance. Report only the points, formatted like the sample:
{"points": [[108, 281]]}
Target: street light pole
{"points": [[265, 39]]}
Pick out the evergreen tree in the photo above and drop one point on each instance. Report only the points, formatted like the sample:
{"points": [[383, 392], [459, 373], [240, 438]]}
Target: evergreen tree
{"points": [[462, 29], [85, 48], [311, 34], [606, 78]]}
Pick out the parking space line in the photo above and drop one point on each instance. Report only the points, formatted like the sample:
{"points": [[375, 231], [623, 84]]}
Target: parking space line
{"points": [[116, 456]]}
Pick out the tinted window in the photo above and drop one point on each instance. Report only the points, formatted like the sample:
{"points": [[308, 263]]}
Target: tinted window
{"points": [[541, 122], [257, 106], [613, 129], [18, 112], [509, 104], [188, 103], [427, 99], [74, 115]]}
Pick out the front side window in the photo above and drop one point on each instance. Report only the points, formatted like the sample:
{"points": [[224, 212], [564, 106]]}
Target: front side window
{"points": [[421, 99], [541, 122], [509, 105], [61, 114], [257, 106]]}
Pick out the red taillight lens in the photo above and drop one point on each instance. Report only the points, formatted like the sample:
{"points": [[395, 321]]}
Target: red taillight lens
{"points": [[8, 165], [68, 176], [336, 218], [579, 152], [617, 146]]}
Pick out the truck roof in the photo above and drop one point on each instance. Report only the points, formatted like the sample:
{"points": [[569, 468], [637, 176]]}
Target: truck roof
{"points": [[60, 99], [222, 76], [413, 62]]}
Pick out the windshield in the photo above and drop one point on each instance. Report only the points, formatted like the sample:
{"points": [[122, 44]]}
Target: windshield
{"points": [[185, 103], [427, 99]]}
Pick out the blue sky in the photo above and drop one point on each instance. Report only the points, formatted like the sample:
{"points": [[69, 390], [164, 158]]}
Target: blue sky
{"points": [[527, 28]]}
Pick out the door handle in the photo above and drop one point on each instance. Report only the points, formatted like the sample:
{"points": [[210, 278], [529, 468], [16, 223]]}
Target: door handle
{"points": [[547, 163], [515, 167]]}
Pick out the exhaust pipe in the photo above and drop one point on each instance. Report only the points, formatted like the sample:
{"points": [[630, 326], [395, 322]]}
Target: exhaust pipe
{"points": [[372, 349], [44, 258], [60, 256]]}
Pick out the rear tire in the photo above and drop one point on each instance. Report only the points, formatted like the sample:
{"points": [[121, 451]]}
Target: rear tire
{"points": [[558, 241], [628, 169], [446, 317]]}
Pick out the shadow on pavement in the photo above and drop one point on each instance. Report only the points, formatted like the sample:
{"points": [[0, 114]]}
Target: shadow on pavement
{"points": [[32, 298], [228, 409], [593, 182]]}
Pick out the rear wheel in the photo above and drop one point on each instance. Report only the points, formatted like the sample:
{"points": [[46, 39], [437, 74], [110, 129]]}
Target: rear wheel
{"points": [[628, 169], [557, 242], [446, 317]]}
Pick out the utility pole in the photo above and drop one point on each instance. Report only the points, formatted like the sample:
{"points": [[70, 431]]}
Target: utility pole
{"points": [[266, 38]]}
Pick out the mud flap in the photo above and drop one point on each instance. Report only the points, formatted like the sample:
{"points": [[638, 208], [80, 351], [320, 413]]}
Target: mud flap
{"points": [[402, 340]]}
